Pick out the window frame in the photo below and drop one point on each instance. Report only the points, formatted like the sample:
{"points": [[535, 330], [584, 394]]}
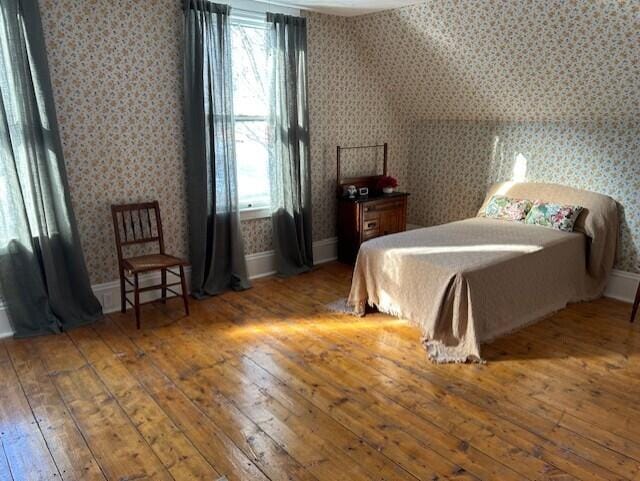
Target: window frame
{"points": [[250, 19], [253, 14], [259, 212]]}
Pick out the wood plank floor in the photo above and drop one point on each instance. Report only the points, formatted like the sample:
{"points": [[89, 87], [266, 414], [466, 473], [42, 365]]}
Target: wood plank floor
{"points": [[267, 384]]}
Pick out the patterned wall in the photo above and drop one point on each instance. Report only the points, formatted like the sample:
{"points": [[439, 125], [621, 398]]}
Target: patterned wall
{"points": [[456, 161], [115, 68], [117, 76], [458, 67], [513, 60], [347, 106], [116, 72]]}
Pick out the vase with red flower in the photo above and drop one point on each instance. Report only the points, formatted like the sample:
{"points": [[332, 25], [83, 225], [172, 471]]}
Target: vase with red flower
{"points": [[387, 184]]}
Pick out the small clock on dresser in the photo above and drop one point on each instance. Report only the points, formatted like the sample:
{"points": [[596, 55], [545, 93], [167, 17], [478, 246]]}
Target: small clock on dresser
{"points": [[364, 217]]}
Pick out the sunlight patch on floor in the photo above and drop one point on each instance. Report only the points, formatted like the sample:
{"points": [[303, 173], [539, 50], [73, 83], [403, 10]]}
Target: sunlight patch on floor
{"points": [[320, 323]]}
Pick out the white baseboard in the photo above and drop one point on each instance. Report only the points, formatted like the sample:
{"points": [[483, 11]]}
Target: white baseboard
{"points": [[5, 327], [259, 265], [622, 285], [262, 264]]}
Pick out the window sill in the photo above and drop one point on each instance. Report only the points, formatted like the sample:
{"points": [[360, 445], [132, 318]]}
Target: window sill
{"points": [[255, 213]]}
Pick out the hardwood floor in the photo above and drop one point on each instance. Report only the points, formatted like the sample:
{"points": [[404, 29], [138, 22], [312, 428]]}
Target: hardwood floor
{"points": [[267, 384]]}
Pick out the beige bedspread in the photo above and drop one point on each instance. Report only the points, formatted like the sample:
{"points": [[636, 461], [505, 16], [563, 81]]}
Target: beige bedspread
{"points": [[468, 282]]}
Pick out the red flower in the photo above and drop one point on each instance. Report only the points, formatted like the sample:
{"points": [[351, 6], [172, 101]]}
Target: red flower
{"points": [[387, 181]]}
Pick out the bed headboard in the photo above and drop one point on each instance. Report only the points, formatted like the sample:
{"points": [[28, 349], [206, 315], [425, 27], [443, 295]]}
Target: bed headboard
{"points": [[598, 221]]}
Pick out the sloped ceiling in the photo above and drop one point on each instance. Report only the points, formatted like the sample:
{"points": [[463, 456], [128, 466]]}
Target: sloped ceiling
{"points": [[345, 8], [515, 60]]}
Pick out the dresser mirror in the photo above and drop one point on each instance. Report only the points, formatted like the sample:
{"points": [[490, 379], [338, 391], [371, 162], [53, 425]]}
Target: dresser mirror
{"points": [[360, 166]]}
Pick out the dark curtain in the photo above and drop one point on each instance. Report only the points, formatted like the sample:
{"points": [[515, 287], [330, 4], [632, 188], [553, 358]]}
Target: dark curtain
{"points": [[217, 251], [43, 276], [289, 153]]}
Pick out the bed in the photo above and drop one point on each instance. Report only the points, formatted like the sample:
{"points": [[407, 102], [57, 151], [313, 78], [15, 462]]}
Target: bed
{"points": [[468, 282]]}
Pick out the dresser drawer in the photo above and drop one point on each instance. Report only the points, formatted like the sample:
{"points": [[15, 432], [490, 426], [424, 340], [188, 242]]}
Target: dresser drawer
{"points": [[372, 223], [370, 234], [370, 228], [369, 215], [362, 220], [374, 208]]}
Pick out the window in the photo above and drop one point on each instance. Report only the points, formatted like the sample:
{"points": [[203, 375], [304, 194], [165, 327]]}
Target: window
{"points": [[251, 107]]}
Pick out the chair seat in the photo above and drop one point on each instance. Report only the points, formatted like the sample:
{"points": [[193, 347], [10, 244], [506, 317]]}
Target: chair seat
{"points": [[151, 262]]}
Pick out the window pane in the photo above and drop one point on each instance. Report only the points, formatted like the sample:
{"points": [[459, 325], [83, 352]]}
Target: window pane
{"points": [[250, 70], [251, 108], [253, 163]]}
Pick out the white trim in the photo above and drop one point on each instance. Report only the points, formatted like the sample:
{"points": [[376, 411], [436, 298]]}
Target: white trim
{"points": [[251, 10], [622, 285], [263, 264], [259, 265], [246, 18], [255, 213], [325, 250], [5, 327]]}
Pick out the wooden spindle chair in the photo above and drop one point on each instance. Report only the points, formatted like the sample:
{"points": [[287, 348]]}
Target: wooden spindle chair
{"points": [[136, 224]]}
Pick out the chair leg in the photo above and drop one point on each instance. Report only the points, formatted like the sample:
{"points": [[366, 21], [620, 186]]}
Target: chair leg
{"points": [[163, 281], [185, 296], [634, 311], [123, 294], [136, 302]]}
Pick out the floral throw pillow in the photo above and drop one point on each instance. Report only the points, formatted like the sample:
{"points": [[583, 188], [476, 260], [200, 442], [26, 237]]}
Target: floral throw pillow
{"points": [[506, 208], [556, 216]]}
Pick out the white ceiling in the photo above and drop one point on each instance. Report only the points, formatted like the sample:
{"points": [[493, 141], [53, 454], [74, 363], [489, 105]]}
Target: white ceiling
{"points": [[342, 7]]}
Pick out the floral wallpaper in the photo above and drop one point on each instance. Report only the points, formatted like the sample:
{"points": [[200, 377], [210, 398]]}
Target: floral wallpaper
{"points": [[392, 76], [347, 106], [257, 235], [557, 82], [513, 60], [116, 68], [454, 162]]}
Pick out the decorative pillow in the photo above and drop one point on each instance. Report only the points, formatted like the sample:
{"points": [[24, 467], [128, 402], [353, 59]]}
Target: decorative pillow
{"points": [[506, 208], [556, 216]]}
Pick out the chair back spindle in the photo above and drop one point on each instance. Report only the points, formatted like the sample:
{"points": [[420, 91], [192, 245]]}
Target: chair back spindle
{"points": [[137, 224]]}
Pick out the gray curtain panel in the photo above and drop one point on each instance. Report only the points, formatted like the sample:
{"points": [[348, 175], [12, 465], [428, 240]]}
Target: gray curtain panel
{"points": [[289, 151], [43, 276], [217, 251]]}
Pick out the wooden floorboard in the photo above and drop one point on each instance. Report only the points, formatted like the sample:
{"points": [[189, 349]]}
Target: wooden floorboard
{"points": [[22, 439], [69, 449], [269, 385], [118, 446]]}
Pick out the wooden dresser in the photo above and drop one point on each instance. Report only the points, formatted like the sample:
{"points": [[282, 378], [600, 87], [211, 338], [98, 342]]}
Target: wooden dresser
{"points": [[361, 219], [365, 217]]}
